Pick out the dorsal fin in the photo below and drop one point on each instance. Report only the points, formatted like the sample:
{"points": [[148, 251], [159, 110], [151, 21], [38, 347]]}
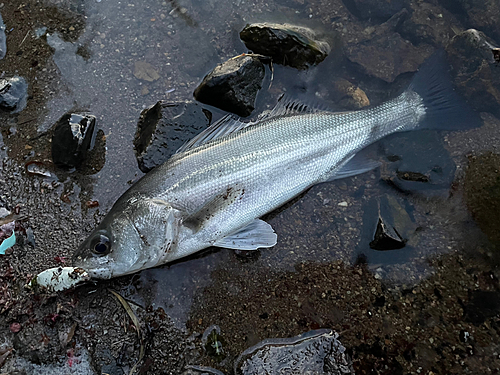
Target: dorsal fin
{"points": [[224, 126], [229, 124]]}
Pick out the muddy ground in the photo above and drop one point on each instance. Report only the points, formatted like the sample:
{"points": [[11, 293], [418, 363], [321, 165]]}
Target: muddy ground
{"points": [[429, 308]]}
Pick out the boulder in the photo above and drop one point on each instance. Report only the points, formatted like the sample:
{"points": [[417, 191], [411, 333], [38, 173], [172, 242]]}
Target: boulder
{"points": [[233, 85], [163, 128], [71, 139], [295, 46], [13, 94]]}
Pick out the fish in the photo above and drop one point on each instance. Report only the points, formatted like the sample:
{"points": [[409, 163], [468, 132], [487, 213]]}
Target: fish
{"points": [[215, 189]]}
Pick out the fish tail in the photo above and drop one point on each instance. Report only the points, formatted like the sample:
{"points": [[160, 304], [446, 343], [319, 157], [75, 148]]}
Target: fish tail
{"points": [[439, 105]]}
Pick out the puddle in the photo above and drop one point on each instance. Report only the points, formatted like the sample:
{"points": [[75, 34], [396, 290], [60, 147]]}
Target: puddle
{"points": [[113, 58]]}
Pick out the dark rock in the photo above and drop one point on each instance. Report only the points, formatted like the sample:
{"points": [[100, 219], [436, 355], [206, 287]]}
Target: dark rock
{"points": [[165, 127], [418, 163], [475, 70], [233, 85], [481, 305], [13, 94], [482, 193], [286, 44], [391, 216], [3, 44], [428, 23], [72, 139], [314, 352], [375, 9]]}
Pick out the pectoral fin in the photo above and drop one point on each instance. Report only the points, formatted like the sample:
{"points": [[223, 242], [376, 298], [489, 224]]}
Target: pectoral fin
{"points": [[255, 235]]}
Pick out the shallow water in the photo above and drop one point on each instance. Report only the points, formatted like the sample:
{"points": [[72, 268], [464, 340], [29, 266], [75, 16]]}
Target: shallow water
{"points": [[322, 272]]}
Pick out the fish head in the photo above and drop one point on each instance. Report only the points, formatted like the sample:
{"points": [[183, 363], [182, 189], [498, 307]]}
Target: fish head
{"points": [[133, 236]]}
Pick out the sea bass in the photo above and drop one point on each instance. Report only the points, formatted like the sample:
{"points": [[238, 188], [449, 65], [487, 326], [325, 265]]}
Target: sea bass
{"points": [[213, 191]]}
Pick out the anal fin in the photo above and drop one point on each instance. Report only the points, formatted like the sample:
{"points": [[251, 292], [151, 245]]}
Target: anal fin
{"points": [[255, 235], [357, 164]]}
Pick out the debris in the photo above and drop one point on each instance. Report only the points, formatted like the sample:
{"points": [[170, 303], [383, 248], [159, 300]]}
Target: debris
{"points": [[60, 278], [15, 327], [13, 94], [213, 342]]}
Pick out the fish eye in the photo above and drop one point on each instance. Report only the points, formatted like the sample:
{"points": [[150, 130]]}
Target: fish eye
{"points": [[100, 245]]}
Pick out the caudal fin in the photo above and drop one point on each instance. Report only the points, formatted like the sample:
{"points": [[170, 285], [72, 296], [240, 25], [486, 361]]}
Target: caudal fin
{"points": [[444, 108]]}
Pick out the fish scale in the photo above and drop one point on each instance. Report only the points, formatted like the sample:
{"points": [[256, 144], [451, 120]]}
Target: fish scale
{"points": [[215, 189]]}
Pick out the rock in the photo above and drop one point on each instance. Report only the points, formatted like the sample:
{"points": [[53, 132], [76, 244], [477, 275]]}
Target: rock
{"points": [[391, 217], [473, 57], [72, 139], [145, 71], [233, 85], [348, 96], [418, 163], [428, 23], [165, 127], [387, 56], [286, 44], [314, 352], [375, 9], [13, 94], [3, 44]]}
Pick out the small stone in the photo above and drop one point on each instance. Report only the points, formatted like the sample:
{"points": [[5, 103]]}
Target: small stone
{"points": [[15, 327], [233, 85], [295, 46], [72, 139], [13, 94], [145, 71], [343, 204]]}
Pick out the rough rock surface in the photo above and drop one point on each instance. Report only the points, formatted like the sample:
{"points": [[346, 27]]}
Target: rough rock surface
{"points": [[286, 44], [165, 127], [347, 95], [233, 85], [475, 69], [72, 139], [13, 94]]}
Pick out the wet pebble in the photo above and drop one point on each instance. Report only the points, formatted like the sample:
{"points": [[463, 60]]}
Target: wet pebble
{"points": [[233, 85], [72, 139], [165, 127], [295, 46], [13, 94]]}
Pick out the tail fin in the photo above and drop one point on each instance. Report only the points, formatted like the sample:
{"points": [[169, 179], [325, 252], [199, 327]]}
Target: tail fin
{"points": [[444, 108]]}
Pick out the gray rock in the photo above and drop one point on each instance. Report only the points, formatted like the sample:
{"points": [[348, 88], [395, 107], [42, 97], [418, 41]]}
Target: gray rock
{"points": [[286, 44], [473, 56], [72, 138], [201, 370], [314, 352], [233, 85], [375, 8], [13, 94], [3, 39], [165, 127]]}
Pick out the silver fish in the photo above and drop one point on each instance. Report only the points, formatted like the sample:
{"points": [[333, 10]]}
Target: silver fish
{"points": [[213, 191]]}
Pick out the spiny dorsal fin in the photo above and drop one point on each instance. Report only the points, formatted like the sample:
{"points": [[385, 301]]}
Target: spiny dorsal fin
{"points": [[229, 124]]}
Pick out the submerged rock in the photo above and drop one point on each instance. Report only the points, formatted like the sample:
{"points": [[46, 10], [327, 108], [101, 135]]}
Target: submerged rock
{"points": [[418, 163], [72, 139], [13, 94], [473, 56], [3, 44], [375, 8], [233, 85], [315, 352], [286, 44], [348, 96], [165, 127]]}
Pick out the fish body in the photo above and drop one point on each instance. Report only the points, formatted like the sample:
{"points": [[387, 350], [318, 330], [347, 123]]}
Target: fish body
{"points": [[213, 192]]}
